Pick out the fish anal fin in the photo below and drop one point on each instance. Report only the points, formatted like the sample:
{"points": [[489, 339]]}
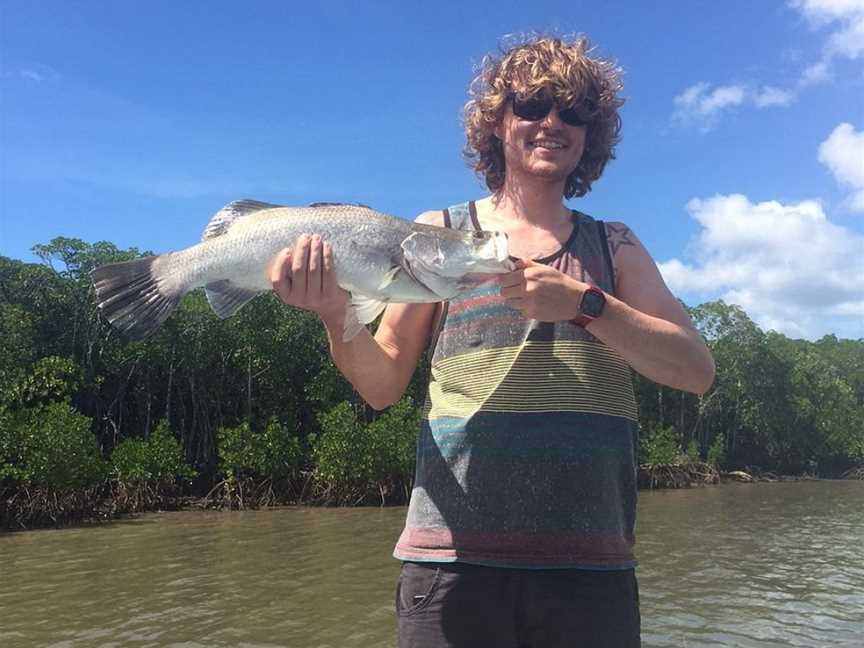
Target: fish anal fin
{"points": [[230, 213], [225, 298]]}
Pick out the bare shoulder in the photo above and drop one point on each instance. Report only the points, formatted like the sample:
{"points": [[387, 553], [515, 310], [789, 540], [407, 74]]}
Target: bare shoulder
{"points": [[629, 255], [621, 238], [637, 278], [434, 217]]}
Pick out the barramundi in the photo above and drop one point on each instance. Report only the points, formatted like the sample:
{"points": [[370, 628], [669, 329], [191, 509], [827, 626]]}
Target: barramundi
{"points": [[377, 258]]}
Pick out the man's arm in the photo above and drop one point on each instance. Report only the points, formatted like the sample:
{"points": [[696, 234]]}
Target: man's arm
{"points": [[381, 367], [647, 325], [644, 323], [378, 367]]}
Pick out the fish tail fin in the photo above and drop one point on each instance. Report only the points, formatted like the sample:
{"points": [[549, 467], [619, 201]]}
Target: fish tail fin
{"points": [[135, 296]]}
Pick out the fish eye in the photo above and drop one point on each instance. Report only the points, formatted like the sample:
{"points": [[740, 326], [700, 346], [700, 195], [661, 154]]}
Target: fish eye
{"points": [[478, 236]]}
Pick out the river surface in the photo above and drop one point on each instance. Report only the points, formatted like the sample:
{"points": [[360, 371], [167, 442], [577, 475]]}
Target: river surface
{"points": [[761, 565]]}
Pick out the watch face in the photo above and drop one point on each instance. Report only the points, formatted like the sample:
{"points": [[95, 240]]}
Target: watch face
{"points": [[592, 303]]}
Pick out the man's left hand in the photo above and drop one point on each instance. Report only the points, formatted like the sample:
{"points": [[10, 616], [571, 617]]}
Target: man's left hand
{"points": [[541, 292]]}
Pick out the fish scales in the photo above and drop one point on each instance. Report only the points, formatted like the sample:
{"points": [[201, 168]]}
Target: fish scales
{"points": [[378, 259]]}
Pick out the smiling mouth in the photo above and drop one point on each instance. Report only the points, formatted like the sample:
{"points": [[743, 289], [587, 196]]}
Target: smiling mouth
{"points": [[550, 145]]}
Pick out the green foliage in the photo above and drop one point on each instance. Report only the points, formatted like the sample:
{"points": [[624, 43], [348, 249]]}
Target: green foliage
{"points": [[717, 451], [660, 447], [158, 458], [394, 440], [51, 445], [777, 403], [16, 341], [350, 455], [273, 453], [49, 379], [692, 454]]}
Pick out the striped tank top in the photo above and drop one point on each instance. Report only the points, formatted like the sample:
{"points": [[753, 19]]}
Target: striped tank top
{"points": [[526, 456]]}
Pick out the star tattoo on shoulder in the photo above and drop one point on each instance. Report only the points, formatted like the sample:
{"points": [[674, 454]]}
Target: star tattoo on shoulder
{"points": [[618, 236]]}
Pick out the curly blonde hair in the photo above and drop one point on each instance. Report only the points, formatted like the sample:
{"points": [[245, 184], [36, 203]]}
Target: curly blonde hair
{"points": [[537, 65]]}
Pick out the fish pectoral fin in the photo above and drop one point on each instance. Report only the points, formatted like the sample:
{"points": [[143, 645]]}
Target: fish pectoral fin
{"points": [[225, 298], [389, 278]]}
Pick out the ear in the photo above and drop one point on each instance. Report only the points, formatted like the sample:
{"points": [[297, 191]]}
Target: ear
{"points": [[499, 130]]}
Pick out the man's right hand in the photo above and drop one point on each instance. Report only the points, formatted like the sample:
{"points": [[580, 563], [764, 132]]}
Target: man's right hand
{"points": [[304, 276]]}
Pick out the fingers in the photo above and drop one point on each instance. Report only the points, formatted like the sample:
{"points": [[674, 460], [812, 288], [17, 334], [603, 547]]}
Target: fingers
{"points": [[512, 283], [512, 292], [280, 274], [305, 276], [314, 285], [328, 275], [299, 268]]}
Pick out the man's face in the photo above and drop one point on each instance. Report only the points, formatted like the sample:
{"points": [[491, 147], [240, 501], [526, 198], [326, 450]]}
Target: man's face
{"points": [[548, 148]]}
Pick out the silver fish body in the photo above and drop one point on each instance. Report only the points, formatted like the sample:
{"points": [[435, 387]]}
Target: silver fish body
{"points": [[378, 258]]}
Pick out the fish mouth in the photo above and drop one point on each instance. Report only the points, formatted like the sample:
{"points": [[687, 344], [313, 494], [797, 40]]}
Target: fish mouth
{"points": [[502, 251], [499, 261]]}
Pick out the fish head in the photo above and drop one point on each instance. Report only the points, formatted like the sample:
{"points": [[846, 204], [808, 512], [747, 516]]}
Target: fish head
{"points": [[456, 253]]}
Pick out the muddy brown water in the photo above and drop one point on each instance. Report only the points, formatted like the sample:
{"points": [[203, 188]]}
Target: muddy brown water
{"points": [[755, 566]]}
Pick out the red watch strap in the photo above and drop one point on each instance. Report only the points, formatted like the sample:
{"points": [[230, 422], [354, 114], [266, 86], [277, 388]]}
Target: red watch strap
{"points": [[582, 320]]}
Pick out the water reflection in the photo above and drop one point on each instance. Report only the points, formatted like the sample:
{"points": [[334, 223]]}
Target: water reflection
{"points": [[753, 565], [741, 565]]}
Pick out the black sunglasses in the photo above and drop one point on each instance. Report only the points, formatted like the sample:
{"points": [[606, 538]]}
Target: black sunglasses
{"points": [[537, 107]]}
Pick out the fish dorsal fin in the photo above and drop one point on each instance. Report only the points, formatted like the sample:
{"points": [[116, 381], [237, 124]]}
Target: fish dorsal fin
{"points": [[338, 204], [225, 217]]}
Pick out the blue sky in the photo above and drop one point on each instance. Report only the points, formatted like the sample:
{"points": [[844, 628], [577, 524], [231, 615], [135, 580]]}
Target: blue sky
{"points": [[741, 166]]}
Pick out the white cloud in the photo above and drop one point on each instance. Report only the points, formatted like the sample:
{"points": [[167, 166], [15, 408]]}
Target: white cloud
{"points": [[787, 265], [823, 11], [770, 96], [846, 20], [702, 104], [816, 73], [30, 73], [697, 99], [849, 40], [843, 154]]}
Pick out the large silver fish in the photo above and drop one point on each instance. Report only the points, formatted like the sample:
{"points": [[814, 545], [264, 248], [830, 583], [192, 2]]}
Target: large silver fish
{"points": [[377, 258]]}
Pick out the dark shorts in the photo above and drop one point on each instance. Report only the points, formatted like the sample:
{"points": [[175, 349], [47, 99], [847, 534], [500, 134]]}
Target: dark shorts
{"points": [[459, 605]]}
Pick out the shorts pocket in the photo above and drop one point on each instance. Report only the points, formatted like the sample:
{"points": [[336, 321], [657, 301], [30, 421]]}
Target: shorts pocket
{"points": [[416, 587]]}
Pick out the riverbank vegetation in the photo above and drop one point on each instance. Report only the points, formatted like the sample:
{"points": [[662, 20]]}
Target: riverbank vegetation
{"points": [[250, 411]]}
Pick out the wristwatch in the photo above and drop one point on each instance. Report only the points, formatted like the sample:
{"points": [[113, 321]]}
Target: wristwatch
{"points": [[590, 307]]}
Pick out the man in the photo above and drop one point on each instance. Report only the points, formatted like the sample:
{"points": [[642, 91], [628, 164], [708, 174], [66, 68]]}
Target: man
{"points": [[520, 526]]}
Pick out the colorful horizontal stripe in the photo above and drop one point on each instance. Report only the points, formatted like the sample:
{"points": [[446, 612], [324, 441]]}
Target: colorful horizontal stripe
{"points": [[572, 376], [527, 449]]}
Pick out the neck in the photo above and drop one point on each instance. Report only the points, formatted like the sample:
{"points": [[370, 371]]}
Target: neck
{"points": [[537, 201]]}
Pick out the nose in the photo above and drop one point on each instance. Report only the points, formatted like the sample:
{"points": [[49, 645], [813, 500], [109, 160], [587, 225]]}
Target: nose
{"points": [[552, 119]]}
